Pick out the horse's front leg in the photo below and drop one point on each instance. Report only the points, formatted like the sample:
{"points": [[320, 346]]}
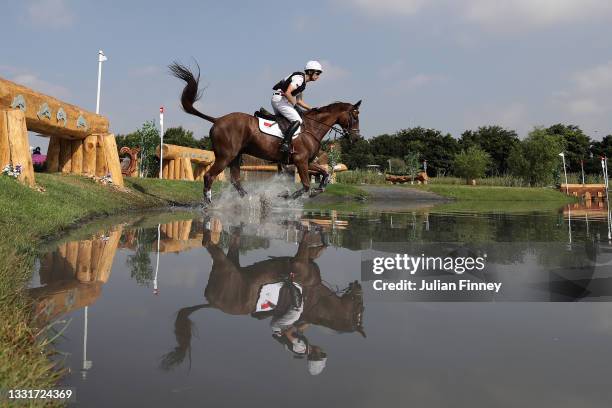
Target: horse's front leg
{"points": [[317, 168], [302, 168]]}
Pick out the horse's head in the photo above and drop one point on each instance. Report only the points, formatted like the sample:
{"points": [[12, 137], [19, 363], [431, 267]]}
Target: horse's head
{"points": [[349, 122], [340, 312]]}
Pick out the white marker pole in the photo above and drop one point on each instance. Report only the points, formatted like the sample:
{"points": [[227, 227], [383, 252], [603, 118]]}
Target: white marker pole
{"points": [[101, 59], [155, 289], [565, 172], [161, 143]]}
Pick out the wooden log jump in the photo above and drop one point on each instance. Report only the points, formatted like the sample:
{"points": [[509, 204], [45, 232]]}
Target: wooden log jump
{"points": [[585, 191], [421, 177], [78, 139], [185, 163]]}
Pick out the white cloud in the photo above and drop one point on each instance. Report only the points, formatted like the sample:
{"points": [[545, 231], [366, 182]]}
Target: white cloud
{"points": [[34, 82], [517, 14], [333, 72], [511, 116], [418, 81], [493, 15], [50, 13], [386, 7], [392, 70], [585, 106], [147, 70], [591, 93], [595, 79]]}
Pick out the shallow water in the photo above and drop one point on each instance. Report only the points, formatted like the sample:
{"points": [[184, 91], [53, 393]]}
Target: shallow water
{"points": [[136, 331]]}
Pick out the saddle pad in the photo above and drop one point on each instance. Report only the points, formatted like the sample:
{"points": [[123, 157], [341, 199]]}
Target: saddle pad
{"points": [[268, 296], [270, 127]]}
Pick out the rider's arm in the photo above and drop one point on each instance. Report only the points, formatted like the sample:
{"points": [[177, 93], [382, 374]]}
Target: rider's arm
{"points": [[303, 104], [292, 100]]}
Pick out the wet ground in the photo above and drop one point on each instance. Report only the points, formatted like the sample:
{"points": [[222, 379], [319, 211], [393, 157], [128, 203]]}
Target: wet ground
{"points": [[250, 308]]}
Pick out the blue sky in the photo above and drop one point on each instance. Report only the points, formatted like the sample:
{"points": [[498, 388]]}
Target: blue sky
{"points": [[449, 65]]}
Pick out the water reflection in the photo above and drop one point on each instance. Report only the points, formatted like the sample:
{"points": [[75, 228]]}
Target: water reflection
{"points": [[288, 290], [258, 287], [73, 275]]}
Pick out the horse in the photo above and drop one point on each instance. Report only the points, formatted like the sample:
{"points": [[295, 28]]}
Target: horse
{"points": [[234, 289], [238, 133]]}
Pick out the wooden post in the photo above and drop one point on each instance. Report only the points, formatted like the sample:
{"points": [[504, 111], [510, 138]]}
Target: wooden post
{"points": [[101, 167], [108, 254], [89, 155], [5, 152], [165, 169], [175, 230], [83, 272], [65, 162], [112, 159], [171, 169], [187, 169], [19, 145], [53, 155], [77, 156], [72, 254], [177, 169], [185, 229]]}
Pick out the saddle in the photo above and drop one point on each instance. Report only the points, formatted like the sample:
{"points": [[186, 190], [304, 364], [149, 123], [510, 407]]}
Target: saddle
{"points": [[283, 123]]}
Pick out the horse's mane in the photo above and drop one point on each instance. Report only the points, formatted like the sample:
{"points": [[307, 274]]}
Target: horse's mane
{"points": [[332, 107]]}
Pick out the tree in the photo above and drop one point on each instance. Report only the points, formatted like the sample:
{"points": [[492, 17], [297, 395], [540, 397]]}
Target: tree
{"points": [[598, 149], [576, 143], [471, 163], [536, 158], [356, 155], [396, 166], [147, 138], [181, 137], [412, 164], [496, 141]]}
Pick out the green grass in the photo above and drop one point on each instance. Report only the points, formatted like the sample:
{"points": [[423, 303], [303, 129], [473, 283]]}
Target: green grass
{"points": [[498, 194], [345, 190], [27, 219]]}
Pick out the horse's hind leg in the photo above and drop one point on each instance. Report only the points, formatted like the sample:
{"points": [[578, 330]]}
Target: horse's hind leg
{"points": [[235, 175], [214, 170]]}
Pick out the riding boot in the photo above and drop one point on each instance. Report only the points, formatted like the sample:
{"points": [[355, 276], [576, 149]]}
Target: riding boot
{"points": [[286, 145]]}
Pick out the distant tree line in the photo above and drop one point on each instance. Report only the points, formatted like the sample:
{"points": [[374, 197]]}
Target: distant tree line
{"points": [[488, 151]]}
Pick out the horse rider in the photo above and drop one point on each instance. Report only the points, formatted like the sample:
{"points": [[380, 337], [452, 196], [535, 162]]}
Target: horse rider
{"points": [[288, 94]]}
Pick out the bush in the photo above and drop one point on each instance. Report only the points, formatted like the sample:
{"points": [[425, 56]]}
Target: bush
{"points": [[360, 177], [471, 163], [536, 159]]}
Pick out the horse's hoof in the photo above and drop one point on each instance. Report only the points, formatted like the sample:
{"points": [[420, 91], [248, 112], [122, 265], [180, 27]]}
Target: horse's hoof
{"points": [[297, 194], [284, 194], [315, 192]]}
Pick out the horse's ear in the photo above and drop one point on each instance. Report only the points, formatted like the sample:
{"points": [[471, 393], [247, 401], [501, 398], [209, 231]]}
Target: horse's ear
{"points": [[356, 106]]}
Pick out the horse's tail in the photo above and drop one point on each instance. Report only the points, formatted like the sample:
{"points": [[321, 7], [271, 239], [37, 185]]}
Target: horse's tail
{"points": [[190, 93]]}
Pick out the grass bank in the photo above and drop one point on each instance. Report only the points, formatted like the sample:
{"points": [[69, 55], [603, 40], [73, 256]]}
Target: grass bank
{"points": [[28, 218], [498, 194]]}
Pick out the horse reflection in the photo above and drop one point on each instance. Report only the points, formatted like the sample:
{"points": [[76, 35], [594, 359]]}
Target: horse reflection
{"points": [[237, 290]]}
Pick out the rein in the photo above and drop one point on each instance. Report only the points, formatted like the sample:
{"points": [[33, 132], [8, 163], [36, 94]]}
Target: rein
{"points": [[337, 131]]}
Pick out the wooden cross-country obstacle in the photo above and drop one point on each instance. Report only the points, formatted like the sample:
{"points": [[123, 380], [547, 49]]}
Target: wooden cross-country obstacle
{"points": [[80, 142], [585, 191], [179, 162], [72, 276]]}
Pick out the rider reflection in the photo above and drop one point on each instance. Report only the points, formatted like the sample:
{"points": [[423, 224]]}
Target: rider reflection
{"points": [[288, 290]]}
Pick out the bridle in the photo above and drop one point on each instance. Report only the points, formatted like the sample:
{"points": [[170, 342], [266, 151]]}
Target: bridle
{"points": [[343, 132]]}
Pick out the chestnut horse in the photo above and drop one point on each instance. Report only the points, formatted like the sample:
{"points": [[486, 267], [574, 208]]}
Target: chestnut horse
{"points": [[237, 133]]}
